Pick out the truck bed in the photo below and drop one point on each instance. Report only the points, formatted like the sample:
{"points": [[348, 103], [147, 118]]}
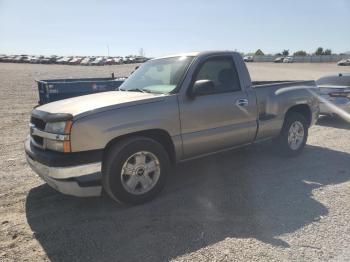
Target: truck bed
{"points": [[272, 99]]}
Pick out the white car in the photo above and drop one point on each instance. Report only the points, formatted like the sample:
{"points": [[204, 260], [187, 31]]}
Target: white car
{"points": [[288, 59], [248, 58], [344, 62], [335, 95], [64, 60], [86, 61], [118, 60], [98, 61]]}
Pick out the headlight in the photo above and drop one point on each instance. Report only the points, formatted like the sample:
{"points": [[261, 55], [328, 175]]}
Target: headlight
{"points": [[56, 127], [60, 142]]}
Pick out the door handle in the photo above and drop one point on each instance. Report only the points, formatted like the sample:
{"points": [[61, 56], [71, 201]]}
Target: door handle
{"points": [[242, 102]]}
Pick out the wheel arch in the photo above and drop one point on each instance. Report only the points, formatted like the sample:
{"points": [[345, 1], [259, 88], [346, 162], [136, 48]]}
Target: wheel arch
{"points": [[159, 135], [302, 109]]}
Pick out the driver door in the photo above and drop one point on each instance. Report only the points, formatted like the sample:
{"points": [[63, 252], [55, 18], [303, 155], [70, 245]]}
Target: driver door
{"points": [[224, 118]]}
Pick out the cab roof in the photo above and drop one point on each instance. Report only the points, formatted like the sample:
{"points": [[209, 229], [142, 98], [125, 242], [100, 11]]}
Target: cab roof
{"points": [[199, 53]]}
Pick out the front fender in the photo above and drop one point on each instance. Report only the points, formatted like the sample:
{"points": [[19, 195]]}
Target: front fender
{"points": [[96, 130]]}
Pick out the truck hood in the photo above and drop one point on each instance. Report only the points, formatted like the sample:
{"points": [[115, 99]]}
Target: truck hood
{"points": [[99, 102]]}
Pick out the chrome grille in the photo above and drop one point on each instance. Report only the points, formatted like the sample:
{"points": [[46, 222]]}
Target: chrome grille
{"points": [[38, 123]]}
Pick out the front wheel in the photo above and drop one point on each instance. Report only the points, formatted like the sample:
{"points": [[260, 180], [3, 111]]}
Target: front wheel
{"points": [[135, 170], [293, 136]]}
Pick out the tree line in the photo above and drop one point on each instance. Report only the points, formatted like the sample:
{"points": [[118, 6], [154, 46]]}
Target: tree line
{"points": [[285, 52]]}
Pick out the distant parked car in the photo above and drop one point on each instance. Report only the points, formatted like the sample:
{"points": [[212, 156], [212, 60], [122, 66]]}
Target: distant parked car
{"points": [[47, 60], [288, 59], [9, 59], [64, 60], [33, 59], [26, 59], [54, 58], [335, 94], [86, 61], [98, 61], [75, 61], [18, 59], [344, 62], [60, 60], [109, 61], [279, 59], [140, 59], [118, 60], [129, 60], [248, 58]]}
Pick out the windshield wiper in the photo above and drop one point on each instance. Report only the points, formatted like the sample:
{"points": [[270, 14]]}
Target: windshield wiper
{"points": [[137, 90]]}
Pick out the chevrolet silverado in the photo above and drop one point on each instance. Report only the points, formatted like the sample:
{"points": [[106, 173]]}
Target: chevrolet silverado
{"points": [[170, 110]]}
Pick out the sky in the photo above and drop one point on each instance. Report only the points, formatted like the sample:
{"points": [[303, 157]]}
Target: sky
{"points": [[84, 27]]}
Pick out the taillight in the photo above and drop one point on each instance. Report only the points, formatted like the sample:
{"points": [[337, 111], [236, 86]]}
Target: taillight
{"points": [[340, 94]]}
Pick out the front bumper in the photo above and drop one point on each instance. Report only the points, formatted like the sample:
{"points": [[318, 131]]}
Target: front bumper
{"points": [[83, 180]]}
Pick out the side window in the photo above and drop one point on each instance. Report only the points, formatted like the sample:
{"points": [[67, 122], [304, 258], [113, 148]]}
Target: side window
{"points": [[222, 72]]}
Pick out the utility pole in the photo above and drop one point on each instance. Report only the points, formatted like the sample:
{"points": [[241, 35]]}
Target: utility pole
{"points": [[108, 50], [141, 52]]}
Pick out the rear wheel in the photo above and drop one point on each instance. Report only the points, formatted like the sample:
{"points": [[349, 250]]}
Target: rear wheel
{"points": [[135, 170], [293, 136]]}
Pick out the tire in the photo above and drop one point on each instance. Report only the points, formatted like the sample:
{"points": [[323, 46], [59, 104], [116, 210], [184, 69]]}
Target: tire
{"points": [[125, 174], [282, 143]]}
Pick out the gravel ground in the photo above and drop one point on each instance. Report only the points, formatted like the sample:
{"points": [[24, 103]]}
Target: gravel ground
{"points": [[242, 205]]}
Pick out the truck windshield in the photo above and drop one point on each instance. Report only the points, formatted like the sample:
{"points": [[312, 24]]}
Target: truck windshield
{"points": [[158, 76]]}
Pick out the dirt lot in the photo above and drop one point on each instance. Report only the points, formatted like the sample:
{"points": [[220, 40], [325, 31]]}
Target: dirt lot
{"points": [[243, 205]]}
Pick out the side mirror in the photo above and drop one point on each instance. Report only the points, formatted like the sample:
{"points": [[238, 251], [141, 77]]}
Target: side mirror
{"points": [[201, 87]]}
